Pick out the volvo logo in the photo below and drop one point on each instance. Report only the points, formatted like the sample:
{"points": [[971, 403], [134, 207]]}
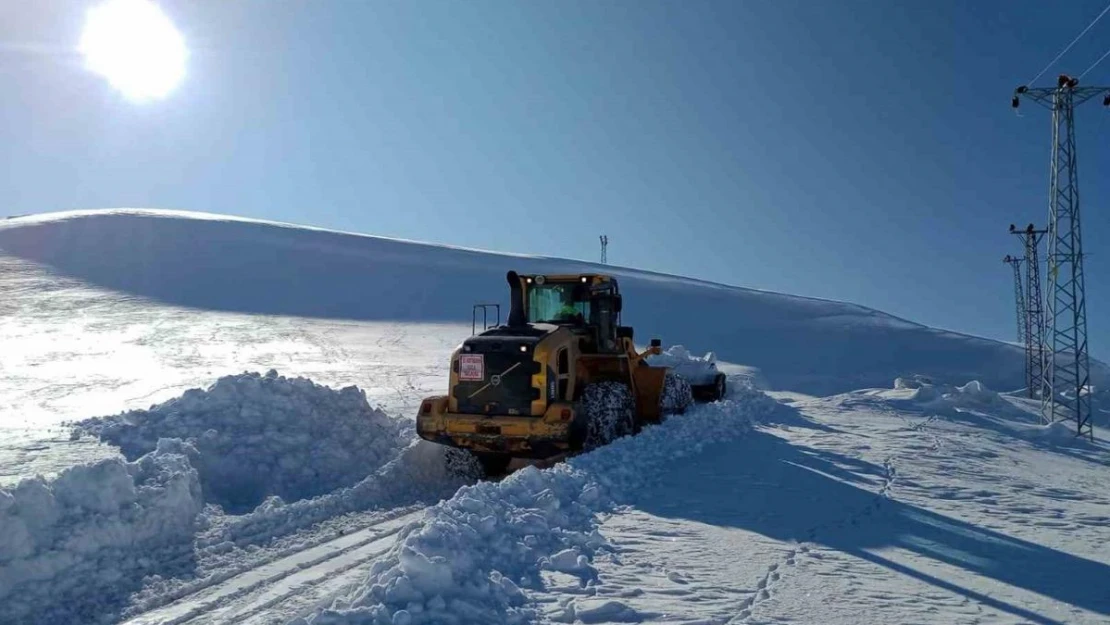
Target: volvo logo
{"points": [[495, 380]]}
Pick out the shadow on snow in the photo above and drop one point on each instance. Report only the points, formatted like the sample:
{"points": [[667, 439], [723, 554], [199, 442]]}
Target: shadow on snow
{"points": [[769, 486]]}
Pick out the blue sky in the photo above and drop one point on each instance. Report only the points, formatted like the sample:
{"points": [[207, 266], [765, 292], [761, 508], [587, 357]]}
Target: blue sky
{"points": [[861, 151]]}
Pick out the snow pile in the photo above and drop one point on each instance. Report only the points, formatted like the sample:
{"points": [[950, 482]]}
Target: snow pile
{"points": [[1056, 433], [71, 545], [941, 397], [473, 557], [696, 369], [264, 436]]}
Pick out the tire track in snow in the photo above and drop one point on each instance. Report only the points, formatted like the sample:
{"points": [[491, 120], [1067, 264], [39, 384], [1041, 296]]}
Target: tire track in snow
{"points": [[302, 578]]}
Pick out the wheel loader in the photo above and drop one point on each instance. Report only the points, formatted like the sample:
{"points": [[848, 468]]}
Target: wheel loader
{"points": [[561, 375]]}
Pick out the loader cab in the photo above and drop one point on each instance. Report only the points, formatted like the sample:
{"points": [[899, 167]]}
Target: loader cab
{"points": [[588, 304]]}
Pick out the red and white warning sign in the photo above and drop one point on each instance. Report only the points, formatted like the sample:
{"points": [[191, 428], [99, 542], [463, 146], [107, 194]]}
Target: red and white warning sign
{"points": [[472, 367]]}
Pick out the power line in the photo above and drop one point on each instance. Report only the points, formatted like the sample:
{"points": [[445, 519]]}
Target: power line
{"points": [[1095, 64], [1065, 50]]}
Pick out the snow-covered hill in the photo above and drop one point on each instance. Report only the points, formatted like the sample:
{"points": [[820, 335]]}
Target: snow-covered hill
{"points": [[245, 266], [880, 481]]}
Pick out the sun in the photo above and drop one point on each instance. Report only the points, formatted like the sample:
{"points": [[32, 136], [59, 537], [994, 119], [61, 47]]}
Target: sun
{"points": [[135, 47]]}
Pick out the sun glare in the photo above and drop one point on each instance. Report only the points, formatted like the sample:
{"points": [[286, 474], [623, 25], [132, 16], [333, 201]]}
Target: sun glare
{"points": [[135, 47]]}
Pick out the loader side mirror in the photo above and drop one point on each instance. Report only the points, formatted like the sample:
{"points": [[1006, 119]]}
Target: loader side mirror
{"points": [[656, 343]]}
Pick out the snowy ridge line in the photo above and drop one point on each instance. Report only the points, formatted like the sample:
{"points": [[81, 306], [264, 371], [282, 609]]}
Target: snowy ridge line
{"points": [[474, 557], [220, 592], [570, 263]]}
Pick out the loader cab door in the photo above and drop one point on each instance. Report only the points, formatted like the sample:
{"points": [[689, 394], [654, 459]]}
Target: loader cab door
{"points": [[605, 308]]}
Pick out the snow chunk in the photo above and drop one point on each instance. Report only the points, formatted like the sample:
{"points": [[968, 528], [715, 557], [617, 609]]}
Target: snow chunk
{"points": [[260, 436], [72, 546], [472, 557]]}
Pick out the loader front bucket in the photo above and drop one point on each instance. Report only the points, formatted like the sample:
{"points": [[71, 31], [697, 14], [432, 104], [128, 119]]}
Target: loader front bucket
{"points": [[649, 391]]}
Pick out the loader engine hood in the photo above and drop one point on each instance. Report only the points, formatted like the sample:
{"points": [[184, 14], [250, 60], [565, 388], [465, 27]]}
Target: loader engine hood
{"points": [[494, 370]]}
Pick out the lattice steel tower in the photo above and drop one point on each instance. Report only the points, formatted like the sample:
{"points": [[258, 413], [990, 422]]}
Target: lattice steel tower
{"points": [[1067, 368], [604, 249], [1034, 309], [1019, 296]]}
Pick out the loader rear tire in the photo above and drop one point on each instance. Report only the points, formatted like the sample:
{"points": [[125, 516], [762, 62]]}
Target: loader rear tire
{"points": [[608, 411], [475, 465], [493, 465]]}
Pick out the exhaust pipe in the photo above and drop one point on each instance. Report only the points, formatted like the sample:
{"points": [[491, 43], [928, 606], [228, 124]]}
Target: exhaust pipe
{"points": [[517, 317]]}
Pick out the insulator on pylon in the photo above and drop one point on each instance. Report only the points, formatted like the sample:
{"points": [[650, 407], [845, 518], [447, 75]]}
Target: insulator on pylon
{"points": [[1106, 100], [1021, 89], [1062, 80], [1015, 102]]}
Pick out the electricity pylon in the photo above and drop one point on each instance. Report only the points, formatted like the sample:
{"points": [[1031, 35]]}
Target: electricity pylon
{"points": [[1019, 296], [1065, 392], [1034, 308], [604, 250]]}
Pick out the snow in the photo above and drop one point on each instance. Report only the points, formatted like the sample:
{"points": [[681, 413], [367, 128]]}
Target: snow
{"points": [[899, 476], [226, 264], [418, 475], [71, 546], [472, 557], [865, 508], [263, 436]]}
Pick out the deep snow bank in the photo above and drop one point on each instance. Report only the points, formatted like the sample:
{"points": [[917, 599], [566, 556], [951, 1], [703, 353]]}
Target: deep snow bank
{"points": [[71, 546], [473, 557], [801, 344], [264, 436]]}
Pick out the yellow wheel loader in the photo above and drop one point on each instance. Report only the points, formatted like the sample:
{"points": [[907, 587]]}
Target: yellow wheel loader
{"points": [[562, 375]]}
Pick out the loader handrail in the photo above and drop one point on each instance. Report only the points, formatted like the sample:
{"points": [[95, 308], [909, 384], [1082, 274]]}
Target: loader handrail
{"points": [[485, 317]]}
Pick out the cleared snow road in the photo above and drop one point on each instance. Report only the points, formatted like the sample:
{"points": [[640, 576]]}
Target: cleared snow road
{"points": [[279, 590]]}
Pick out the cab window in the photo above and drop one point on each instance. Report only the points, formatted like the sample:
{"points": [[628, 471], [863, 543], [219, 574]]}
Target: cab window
{"points": [[553, 303]]}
